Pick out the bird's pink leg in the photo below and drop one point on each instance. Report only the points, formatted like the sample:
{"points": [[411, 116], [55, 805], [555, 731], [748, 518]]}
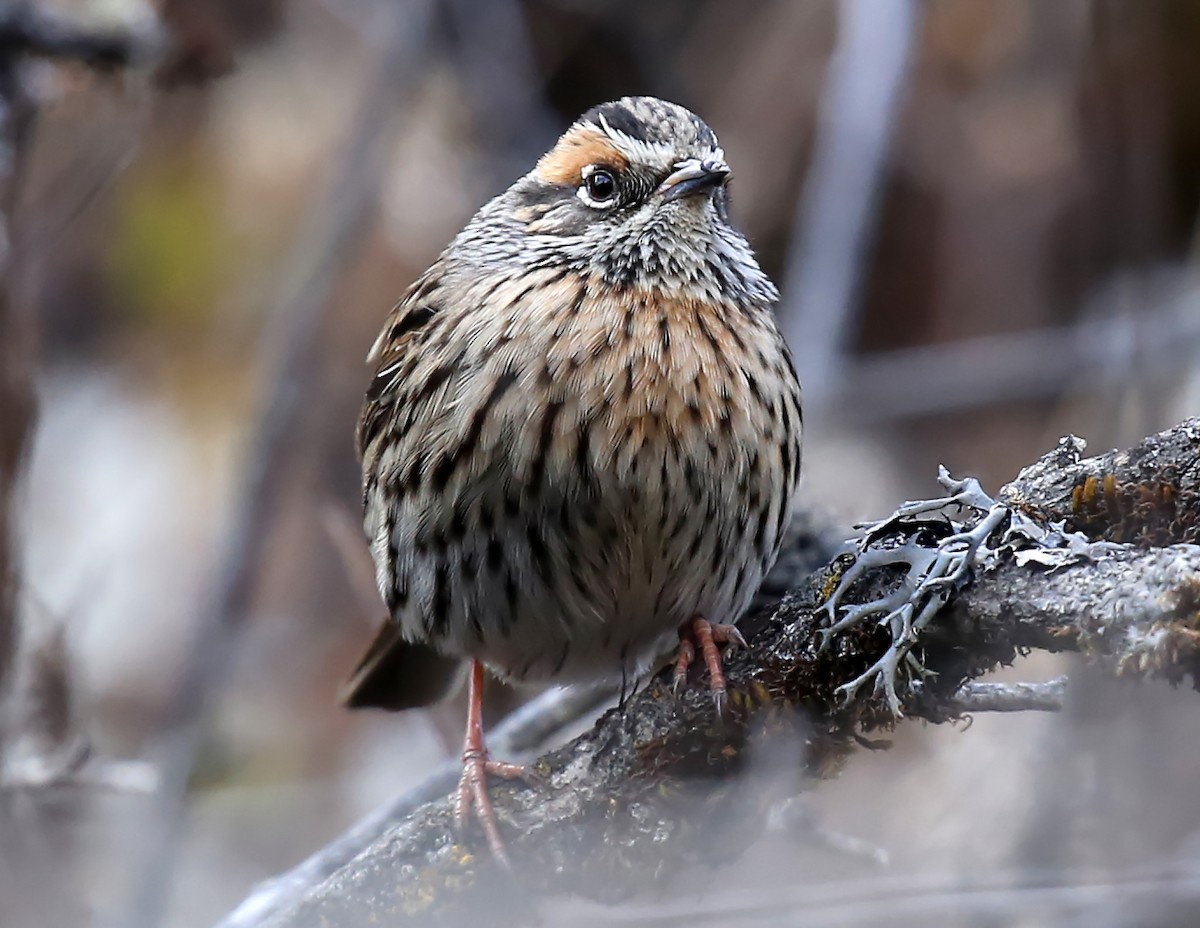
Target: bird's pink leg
{"points": [[707, 637], [472, 786]]}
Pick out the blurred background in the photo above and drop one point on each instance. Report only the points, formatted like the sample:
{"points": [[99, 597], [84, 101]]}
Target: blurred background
{"points": [[982, 214]]}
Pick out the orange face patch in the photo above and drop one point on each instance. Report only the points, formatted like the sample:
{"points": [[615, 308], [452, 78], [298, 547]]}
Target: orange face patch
{"points": [[565, 162]]}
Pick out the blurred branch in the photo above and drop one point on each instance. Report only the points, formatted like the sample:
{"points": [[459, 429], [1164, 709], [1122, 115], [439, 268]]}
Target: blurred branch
{"points": [[522, 732], [1079, 898], [998, 368], [115, 776], [27, 30], [24, 31], [207, 35], [836, 218], [652, 788], [30, 30], [290, 347], [17, 339], [496, 63]]}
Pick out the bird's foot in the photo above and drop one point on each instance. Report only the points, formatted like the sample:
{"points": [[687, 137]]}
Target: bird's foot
{"points": [[472, 791], [707, 637], [472, 785]]}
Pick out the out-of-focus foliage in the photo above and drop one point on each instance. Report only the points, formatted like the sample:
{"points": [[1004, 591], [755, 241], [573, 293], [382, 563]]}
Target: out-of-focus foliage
{"points": [[170, 252]]}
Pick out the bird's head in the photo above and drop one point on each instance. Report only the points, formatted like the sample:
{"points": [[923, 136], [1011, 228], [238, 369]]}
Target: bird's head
{"points": [[636, 190]]}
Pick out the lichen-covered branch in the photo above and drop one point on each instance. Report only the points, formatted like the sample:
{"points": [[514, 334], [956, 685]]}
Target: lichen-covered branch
{"points": [[1136, 613], [655, 786], [1147, 495]]}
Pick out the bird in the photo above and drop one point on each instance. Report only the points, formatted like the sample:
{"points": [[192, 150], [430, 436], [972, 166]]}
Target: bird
{"points": [[582, 438]]}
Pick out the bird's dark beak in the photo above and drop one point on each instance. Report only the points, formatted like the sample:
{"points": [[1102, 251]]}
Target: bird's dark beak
{"points": [[694, 176]]}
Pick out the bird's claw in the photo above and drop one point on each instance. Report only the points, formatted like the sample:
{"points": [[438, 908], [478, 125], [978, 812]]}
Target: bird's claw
{"points": [[472, 791], [700, 634]]}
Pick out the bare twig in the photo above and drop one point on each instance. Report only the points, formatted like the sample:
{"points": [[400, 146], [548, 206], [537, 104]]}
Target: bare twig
{"points": [[978, 696]]}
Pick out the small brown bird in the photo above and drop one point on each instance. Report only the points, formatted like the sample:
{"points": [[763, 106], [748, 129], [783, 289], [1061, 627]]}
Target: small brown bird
{"points": [[583, 434]]}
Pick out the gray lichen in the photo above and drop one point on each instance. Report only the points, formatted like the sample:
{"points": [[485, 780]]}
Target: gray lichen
{"points": [[940, 554]]}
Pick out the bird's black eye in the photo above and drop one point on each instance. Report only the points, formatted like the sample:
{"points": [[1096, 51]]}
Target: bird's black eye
{"points": [[601, 185]]}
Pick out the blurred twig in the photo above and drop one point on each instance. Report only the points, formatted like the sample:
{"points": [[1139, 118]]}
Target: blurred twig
{"points": [[48, 744], [290, 348], [835, 219], [1023, 365], [28, 31], [81, 183]]}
